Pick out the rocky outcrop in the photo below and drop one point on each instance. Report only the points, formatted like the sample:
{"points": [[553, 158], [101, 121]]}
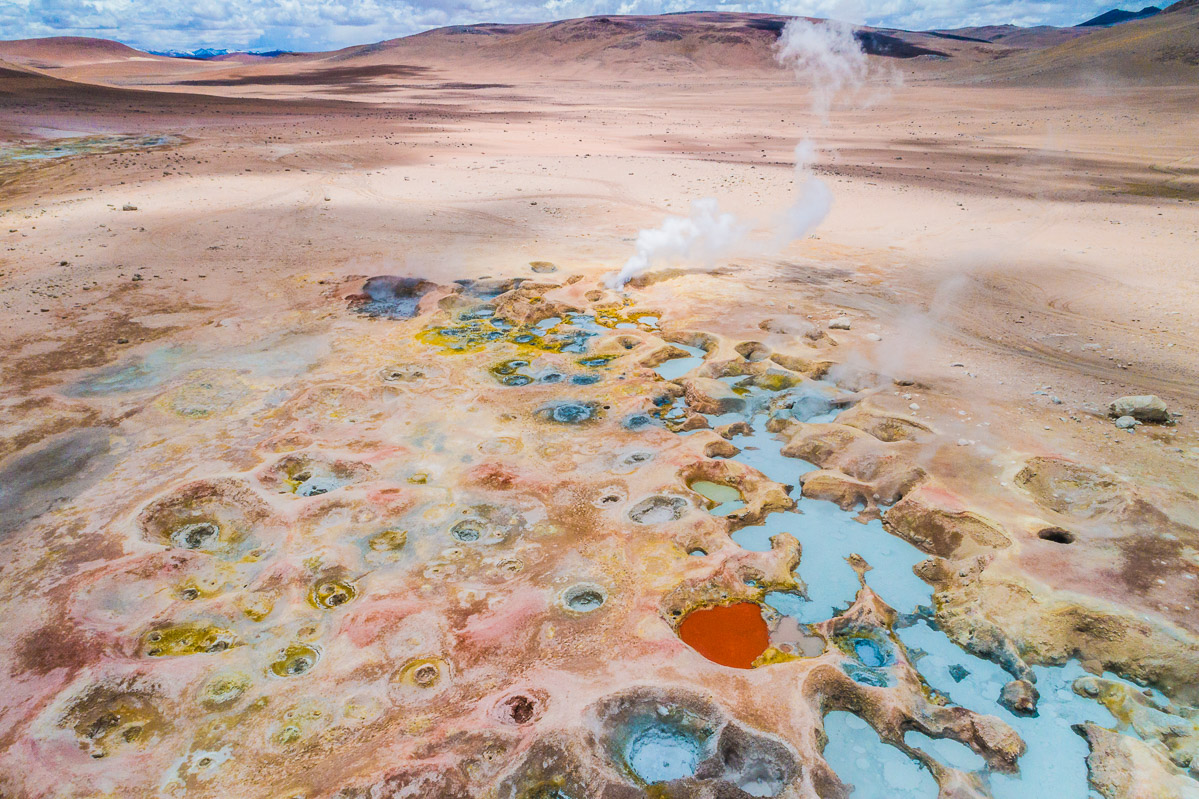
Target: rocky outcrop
{"points": [[1121, 767], [1143, 408]]}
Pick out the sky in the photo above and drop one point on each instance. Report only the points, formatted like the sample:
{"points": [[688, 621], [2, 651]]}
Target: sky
{"points": [[331, 24]]}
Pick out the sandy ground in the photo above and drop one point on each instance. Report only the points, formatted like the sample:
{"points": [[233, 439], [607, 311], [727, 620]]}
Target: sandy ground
{"points": [[1012, 259], [1032, 235]]}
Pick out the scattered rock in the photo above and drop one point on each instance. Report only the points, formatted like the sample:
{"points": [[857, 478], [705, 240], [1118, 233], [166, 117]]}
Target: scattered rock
{"points": [[709, 396], [1020, 697], [1125, 767], [873, 336], [1127, 423], [958, 672], [1143, 408], [735, 429], [840, 323], [833, 486], [542, 267], [928, 519], [128, 207]]}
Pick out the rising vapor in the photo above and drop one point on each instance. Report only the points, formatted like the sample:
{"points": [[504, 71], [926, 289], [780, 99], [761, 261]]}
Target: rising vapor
{"points": [[827, 58]]}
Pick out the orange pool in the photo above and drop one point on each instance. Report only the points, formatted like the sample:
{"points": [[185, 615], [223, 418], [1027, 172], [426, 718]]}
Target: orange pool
{"points": [[731, 635]]}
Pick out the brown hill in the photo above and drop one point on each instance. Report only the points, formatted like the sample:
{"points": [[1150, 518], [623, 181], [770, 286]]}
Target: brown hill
{"points": [[1163, 49], [18, 79], [625, 46], [1033, 38], [672, 42], [67, 51]]}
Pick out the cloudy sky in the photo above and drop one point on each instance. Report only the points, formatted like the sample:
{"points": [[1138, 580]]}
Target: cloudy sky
{"points": [[328, 24]]}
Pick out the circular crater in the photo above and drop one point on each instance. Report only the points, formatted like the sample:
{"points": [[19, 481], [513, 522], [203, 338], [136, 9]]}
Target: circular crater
{"points": [[658, 510], [1057, 535], [297, 659], [584, 597], [569, 412], [467, 531], [330, 593]]}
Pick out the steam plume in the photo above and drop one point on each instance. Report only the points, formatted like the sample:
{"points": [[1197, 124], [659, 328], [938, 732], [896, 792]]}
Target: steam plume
{"points": [[706, 235], [825, 57], [828, 58]]}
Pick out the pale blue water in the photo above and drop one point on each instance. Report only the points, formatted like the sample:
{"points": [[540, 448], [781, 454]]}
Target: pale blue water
{"points": [[874, 769], [677, 367], [1054, 765], [657, 751], [660, 752]]}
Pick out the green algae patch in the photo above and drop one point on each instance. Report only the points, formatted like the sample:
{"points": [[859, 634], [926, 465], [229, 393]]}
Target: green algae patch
{"points": [[330, 594], [224, 689], [622, 318], [727, 498], [297, 659], [773, 655], [187, 639], [388, 541]]}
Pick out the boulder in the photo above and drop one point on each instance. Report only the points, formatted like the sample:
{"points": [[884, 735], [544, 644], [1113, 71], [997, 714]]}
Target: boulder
{"points": [[1020, 697], [1122, 767], [1143, 408], [709, 396]]}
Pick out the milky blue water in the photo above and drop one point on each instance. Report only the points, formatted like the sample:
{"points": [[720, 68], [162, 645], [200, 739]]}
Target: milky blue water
{"points": [[1054, 765], [677, 367], [660, 752]]}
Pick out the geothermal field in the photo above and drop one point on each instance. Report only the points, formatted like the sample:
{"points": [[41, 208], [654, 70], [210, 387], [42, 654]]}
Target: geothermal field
{"points": [[702, 405]]}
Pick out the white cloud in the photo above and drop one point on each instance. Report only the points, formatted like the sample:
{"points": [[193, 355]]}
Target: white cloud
{"points": [[323, 24]]}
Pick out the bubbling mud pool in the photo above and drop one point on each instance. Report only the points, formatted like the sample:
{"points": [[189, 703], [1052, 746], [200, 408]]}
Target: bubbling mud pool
{"points": [[416, 572]]}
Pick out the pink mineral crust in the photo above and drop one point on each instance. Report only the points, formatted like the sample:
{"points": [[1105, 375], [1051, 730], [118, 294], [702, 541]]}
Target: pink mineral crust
{"points": [[405, 579]]}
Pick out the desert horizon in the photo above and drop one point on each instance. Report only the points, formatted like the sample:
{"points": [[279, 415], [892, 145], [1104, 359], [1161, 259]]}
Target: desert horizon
{"points": [[708, 404]]}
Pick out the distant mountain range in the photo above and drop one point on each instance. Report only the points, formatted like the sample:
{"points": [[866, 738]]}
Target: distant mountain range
{"points": [[1117, 15], [210, 53]]}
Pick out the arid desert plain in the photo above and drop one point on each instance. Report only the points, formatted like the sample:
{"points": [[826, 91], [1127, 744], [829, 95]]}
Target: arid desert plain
{"points": [[337, 462]]}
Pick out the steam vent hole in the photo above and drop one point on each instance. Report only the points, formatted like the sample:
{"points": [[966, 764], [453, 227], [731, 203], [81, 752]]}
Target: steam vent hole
{"points": [[661, 750], [1057, 535], [731, 635]]}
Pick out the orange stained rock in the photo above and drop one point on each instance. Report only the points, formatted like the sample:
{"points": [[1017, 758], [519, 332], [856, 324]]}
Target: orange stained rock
{"points": [[731, 635]]}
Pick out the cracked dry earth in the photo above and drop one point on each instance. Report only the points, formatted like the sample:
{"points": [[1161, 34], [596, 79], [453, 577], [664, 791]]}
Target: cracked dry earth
{"points": [[532, 538]]}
